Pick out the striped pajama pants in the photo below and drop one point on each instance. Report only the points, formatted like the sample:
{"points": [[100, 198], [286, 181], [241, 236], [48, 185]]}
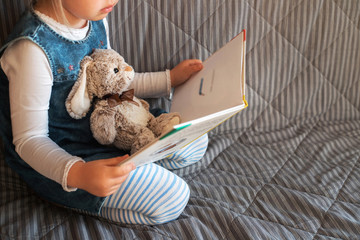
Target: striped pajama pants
{"points": [[152, 194]]}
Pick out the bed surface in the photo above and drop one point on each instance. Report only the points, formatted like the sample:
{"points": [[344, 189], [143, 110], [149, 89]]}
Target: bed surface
{"points": [[286, 167]]}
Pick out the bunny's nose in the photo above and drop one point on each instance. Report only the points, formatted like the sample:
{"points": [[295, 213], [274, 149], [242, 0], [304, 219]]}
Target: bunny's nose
{"points": [[128, 69]]}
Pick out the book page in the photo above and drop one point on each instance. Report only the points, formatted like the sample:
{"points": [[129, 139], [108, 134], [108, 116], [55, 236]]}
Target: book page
{"points": [[218, 86], [177, 139]]}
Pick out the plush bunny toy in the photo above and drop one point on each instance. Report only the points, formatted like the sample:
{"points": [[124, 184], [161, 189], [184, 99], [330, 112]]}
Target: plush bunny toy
{"points": [[118, 118]]}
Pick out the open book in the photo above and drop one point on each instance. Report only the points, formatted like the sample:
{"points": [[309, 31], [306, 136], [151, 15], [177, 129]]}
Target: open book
{"points": [[210, 97]]}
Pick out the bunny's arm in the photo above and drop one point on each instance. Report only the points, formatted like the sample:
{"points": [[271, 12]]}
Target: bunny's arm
{"points": [[102, 123]]}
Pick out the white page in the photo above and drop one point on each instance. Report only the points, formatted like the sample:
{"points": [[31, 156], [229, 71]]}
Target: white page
{"points": [[218, 86]]}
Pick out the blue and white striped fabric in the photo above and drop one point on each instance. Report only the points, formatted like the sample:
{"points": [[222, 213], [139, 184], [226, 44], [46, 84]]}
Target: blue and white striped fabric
{"points": [[187, 155], [287, 167], [151, 194]]}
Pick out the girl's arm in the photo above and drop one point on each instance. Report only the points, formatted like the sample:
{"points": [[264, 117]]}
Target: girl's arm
{"points": [[152, 84], [30, 83], [159, 84]]}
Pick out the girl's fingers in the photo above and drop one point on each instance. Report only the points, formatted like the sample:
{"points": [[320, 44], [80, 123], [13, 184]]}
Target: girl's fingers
{"points": [[193, 61], [126, 168], [115, 161], [120, 173]]}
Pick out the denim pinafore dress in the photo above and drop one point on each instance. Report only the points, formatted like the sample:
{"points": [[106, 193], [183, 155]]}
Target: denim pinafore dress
{"points": [[72, 135]]}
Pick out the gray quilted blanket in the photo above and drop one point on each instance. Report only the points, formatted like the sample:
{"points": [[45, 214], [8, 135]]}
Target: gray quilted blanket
{"points": [[287, 167]]}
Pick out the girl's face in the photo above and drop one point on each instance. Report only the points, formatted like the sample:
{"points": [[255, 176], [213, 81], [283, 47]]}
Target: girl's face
{"points": [[79, 11]]}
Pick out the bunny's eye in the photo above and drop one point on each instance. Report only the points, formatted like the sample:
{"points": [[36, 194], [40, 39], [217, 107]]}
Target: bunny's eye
{"points": [[116, 70]]}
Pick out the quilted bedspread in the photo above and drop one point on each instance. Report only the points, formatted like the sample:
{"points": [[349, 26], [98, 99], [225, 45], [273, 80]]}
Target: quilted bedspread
{"points": [[287, 167]]}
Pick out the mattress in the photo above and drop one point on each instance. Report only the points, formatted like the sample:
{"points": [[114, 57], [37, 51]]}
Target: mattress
{"points": [[286, 167]]}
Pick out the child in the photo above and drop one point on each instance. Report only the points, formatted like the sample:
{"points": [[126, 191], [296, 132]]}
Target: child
{"points": [[57, 155]]}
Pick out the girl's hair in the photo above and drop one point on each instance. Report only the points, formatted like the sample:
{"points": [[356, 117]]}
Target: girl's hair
{"points": [[57, 8]]}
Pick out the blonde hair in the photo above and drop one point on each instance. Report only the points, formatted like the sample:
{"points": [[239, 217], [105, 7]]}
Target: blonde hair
{"points": [[58, 9]]}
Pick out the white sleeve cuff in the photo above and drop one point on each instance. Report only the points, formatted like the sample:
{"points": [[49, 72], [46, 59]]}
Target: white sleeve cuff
{"points": [[66, 172]]}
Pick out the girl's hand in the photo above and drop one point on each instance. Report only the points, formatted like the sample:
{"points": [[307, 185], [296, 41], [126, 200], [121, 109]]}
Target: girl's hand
{"points": [[184, 70], [100, 177]]}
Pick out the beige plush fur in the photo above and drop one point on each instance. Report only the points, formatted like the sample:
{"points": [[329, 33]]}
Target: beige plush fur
{"points": [[127, 126]]}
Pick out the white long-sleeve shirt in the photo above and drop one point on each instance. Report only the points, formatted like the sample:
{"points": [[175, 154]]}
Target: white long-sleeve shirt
{"points": [[30, 83]]}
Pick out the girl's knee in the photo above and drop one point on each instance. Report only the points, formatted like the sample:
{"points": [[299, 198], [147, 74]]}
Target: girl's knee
{"points": [[151, 195], [173, 207], [186, 156]]}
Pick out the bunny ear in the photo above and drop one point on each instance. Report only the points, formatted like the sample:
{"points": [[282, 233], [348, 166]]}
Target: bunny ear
{"points": [[78, 101]]}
